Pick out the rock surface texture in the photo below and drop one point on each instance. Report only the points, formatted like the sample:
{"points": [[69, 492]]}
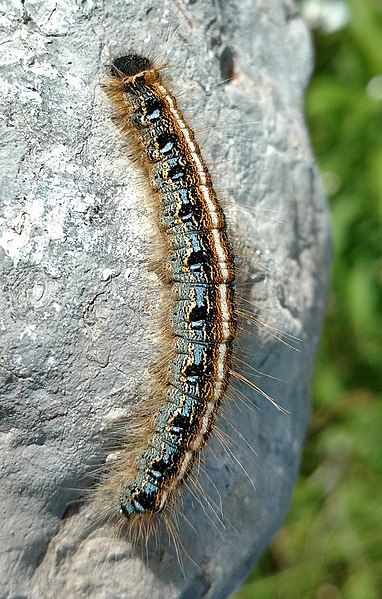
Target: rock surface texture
{"points": [[78, 298]]}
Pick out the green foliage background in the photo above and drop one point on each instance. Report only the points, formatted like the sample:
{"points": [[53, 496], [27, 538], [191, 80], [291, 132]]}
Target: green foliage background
{"points": [[331, 544]]}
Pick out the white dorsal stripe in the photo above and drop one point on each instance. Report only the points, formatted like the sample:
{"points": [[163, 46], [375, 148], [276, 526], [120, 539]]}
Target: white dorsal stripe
{"points": [[199, 439], [209, 198]]}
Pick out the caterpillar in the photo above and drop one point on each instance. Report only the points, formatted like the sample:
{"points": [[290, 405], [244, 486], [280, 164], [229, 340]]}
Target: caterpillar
{"points": [[200, 276]]}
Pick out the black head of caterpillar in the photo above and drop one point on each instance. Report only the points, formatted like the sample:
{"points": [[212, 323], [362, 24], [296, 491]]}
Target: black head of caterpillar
{"points": [[130, 65]]}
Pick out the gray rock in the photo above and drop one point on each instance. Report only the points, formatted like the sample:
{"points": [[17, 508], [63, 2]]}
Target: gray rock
{"points": [[78, 299]]}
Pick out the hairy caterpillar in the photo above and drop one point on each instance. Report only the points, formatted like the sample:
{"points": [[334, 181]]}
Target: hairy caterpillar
{"points": [[200, 276]]}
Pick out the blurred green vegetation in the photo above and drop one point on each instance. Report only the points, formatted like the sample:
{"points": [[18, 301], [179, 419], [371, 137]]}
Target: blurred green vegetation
{"points": [[331, 544]]}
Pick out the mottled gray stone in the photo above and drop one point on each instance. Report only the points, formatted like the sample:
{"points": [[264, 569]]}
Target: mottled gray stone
{"points": [[78, 298]]}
